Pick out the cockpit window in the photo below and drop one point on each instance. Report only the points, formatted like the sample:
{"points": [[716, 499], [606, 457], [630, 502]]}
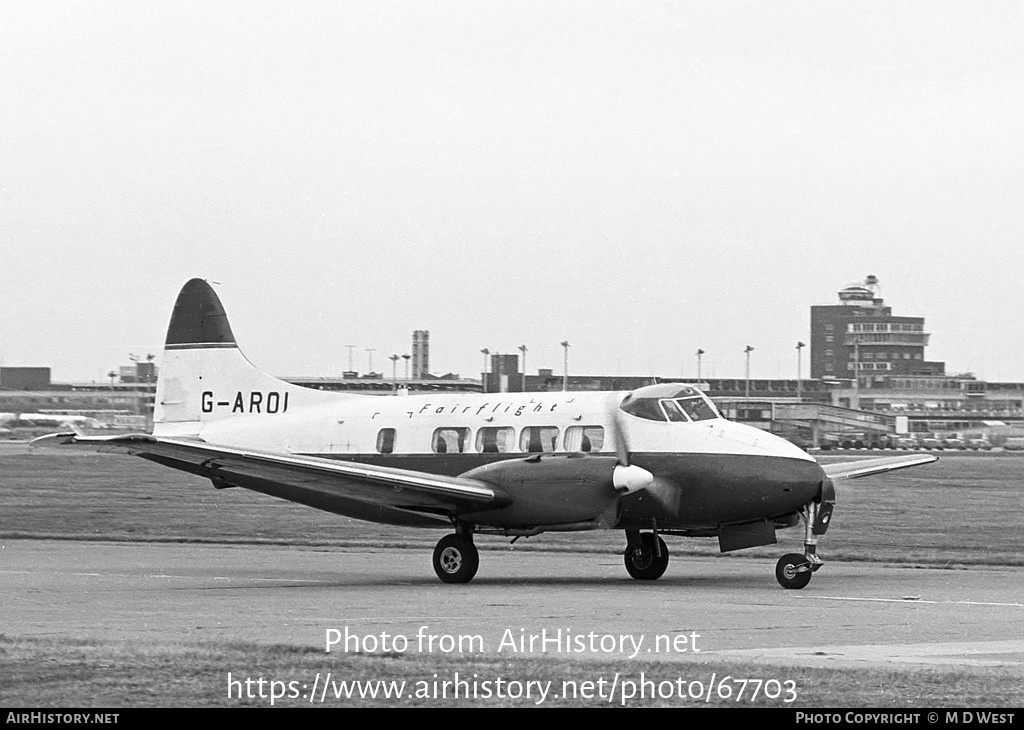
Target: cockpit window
{"points": [[669, 402], [673, 411], [698, 409], [643, 408]]}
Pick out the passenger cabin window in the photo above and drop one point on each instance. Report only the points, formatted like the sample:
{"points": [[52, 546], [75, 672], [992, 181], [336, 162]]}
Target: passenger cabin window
{"points": [[450, 440], [584, 438], [539, 438], [386, 441], [495, 440]]}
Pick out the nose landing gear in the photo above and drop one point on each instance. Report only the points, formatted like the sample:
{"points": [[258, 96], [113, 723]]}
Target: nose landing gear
{"points": [[793, 571]]}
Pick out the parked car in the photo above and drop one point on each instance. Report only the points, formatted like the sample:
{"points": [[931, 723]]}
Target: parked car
{"points": [[931, 444], [954, 443], [907, 443], [979, 444]]}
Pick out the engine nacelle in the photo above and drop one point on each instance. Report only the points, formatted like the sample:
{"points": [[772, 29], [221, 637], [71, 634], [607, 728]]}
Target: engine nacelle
{"points": [[549, 490]]}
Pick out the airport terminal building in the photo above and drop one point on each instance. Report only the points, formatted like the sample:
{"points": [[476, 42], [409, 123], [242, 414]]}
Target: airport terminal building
{"points": [[869, 375]]}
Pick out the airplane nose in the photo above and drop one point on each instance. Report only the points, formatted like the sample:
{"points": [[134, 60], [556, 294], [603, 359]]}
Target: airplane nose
{"points": [[752, 440]]}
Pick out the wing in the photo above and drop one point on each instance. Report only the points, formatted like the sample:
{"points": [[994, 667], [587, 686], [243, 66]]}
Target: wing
{"points": [[867, 467], [364, 491]]}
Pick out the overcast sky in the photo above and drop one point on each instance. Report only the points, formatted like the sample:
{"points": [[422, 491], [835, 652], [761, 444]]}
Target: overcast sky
{"points": [[641, 179]]}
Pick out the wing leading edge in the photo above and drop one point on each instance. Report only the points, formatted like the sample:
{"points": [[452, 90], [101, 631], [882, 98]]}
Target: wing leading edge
{"points": [[867, 467], [363, 491]]}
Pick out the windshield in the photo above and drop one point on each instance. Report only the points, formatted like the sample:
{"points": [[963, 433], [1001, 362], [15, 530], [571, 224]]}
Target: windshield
{"points": [[693, 407], [698, 409]]}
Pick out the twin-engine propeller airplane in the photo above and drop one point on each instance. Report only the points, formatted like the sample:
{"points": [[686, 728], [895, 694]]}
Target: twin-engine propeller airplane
{"points": [[658, 460]]}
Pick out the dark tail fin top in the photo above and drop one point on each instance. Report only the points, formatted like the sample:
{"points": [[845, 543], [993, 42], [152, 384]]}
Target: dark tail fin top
{"points": [[199, 319]]}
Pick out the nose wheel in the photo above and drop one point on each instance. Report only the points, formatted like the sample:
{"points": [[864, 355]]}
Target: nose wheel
{"points": [[793, 571], [456, 559]]}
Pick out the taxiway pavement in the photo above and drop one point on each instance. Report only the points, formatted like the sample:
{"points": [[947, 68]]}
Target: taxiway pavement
{"points": [[851, 612]]}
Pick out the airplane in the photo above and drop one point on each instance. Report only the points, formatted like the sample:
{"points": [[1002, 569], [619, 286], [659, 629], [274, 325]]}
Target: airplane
{"points": [[49, 420], [655, 461]]}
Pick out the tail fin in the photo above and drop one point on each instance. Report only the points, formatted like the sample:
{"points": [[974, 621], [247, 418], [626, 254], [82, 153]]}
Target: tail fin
{"points": [[204, 377]]}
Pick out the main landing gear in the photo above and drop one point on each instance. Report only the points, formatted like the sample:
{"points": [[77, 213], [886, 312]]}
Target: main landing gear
{"points": [[794, 571], [456, 558], [646, 555]]}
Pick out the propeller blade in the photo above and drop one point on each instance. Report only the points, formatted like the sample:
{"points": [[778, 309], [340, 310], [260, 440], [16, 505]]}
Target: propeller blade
{"points": [[619, 436], [628, 478], [666, 493]]}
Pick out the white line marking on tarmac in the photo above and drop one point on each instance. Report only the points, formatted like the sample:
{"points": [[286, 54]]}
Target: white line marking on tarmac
{"points": [[385, 619], [908, 600]]}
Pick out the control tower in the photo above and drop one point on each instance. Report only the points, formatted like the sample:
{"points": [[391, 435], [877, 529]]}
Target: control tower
{"points": [[861, 335], [420, 354]]}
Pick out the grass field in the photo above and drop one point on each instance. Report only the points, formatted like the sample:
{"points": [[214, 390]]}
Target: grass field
{"points": [[962, 510], [48, 673]]}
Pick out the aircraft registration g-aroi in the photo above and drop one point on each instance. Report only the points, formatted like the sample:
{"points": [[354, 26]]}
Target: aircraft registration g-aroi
{"points": [[658, 460]]}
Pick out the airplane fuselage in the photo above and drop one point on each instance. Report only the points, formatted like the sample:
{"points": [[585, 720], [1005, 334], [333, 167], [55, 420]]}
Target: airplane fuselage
{"points": [[709, 472]]}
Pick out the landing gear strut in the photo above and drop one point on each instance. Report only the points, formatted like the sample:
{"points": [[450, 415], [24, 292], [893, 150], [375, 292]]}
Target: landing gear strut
{"points": [[794, 570], [646, 555], [456, 558]]}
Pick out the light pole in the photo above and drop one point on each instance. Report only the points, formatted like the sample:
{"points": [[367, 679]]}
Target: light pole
{"points": [[406, 358], [699, 353], [799, 393], [565, 372], [856, 374], [522, 349], [748, 351], [394, 366]]}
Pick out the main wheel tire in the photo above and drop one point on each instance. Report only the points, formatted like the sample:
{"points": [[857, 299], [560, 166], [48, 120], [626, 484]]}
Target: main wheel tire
{"points": [[644, 563], [788, 574], [456, 559]]}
